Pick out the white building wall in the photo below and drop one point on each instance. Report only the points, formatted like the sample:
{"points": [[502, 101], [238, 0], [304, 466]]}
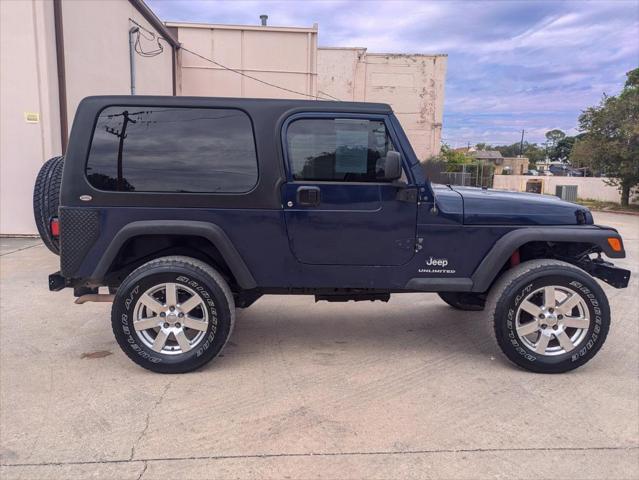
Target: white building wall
{"points": [[412, 84], [590, 188], [283, 56], [96, 42], [342, 73], [28, 84], [96, 62]]}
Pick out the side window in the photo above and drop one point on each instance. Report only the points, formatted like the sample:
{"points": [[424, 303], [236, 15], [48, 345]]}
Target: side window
{"points": [[338, 149], [172, 149]]}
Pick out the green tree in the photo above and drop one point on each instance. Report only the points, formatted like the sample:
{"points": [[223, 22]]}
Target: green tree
{"points": [[451, 156], [611, 139], [561, 151], [508, 150], [553, 137], [582, 154], [534, 152]]}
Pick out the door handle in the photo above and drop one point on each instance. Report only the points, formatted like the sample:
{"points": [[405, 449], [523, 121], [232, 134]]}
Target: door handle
{"points": [[308, 196]]}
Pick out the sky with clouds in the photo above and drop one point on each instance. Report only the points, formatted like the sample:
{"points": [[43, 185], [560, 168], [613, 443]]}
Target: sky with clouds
{"points": [[512, 65]]}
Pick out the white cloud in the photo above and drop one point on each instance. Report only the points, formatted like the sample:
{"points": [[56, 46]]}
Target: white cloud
{"points": [[511, 65]]}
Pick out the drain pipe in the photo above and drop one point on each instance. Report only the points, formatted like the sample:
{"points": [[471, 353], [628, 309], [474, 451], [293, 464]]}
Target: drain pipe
{"points": [[132, 33]]}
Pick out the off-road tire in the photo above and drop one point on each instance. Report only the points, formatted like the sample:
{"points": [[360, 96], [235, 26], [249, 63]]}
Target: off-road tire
{"points": [[46, 200], [189, 272], [511, 289], [464, 300]]}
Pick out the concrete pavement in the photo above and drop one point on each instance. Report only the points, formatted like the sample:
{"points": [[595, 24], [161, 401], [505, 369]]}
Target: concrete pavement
{"points": [[408, 389]]}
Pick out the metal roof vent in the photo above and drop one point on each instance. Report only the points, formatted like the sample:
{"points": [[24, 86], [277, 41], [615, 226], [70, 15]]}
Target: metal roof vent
{"points": [[264, 18]]}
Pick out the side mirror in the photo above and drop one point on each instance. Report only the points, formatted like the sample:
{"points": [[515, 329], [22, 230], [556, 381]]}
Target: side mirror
{"points": [[393, 166]]}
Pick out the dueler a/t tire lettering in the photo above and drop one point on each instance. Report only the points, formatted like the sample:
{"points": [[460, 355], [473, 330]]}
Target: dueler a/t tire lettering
{"points": [[512, 288], [183, 271]]}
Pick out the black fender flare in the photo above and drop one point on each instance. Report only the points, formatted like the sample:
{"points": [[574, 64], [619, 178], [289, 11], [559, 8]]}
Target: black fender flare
{"points": [[210, 231], [492, 263]]}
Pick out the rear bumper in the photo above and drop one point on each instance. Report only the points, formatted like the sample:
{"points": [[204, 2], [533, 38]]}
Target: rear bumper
{"points": [[57, 282]]}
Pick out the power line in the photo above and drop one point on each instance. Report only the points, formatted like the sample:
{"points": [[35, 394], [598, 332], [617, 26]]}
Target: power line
{"points": [[330, 96], [140, 51], [182, 47], [316, 97], [151, 38]]}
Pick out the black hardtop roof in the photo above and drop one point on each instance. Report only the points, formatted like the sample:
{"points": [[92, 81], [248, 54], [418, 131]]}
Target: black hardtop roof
{"points": [[245, 103]]}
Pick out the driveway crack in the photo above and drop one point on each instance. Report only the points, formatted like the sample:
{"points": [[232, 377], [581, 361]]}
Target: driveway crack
{"points": [[333, 454], [144, 467], [157, 403]]}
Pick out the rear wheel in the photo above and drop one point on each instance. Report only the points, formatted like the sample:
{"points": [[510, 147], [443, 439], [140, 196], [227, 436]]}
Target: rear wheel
{"points": [[464, 300], [173, 314], [549, 316], [46, 200]]}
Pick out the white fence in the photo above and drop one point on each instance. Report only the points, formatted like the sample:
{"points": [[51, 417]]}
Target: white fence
{"points": [[587, 187]]}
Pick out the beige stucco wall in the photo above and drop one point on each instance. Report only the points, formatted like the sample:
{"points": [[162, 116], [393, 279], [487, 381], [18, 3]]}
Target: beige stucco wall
{"points": [[96, 62], [587, 187], [342, 72], [28, 83], [283, 56], [412, 84], [518, 165], [96, 41]]}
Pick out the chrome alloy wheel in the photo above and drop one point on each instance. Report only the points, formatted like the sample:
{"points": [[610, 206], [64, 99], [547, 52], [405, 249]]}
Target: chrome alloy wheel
{"points": [[170, 318], [552, 320]]}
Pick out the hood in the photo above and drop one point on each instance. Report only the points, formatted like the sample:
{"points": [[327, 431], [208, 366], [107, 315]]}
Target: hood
{"points": [[495, 207]]}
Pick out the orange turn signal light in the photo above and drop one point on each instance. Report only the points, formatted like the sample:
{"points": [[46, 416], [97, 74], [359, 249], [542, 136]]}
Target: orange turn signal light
{"points": [[615, 244]]}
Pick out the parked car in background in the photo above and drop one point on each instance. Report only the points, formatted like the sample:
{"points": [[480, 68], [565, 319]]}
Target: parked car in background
{"points": [[565, 170]]}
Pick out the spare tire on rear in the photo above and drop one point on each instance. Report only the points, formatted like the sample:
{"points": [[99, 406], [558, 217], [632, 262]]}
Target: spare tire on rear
{"points": [[46, 200]]}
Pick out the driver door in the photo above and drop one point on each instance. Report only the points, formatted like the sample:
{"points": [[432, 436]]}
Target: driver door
{"points": [[340, 209]]}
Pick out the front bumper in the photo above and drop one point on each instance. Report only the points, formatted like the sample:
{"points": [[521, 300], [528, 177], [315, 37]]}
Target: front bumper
{"points": [[607, 272]]}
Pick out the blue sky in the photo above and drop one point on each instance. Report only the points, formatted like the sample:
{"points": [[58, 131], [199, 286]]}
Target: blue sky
{"points": [[512, 65]]}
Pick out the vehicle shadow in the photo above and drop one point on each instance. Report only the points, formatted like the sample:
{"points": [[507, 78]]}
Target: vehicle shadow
{"points": [[425, 327]]}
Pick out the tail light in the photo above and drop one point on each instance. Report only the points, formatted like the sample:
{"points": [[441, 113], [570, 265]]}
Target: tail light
{"points": [[54, 227]]}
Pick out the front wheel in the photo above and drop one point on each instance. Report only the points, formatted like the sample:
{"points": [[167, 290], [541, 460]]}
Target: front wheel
{"points": [[173, 314], [549, 316]]}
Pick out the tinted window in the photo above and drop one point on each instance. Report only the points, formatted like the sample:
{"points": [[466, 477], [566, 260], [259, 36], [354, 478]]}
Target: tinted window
{"points": [[164, 149], [347, 150]]}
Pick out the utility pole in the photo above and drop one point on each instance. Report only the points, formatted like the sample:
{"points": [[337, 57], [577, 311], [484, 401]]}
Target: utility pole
{"points": [[121, 135], [521, 145]]}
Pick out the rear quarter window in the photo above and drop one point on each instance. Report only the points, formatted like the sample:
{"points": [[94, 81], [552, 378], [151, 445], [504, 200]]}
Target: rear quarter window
{"points": [[172, 149]]}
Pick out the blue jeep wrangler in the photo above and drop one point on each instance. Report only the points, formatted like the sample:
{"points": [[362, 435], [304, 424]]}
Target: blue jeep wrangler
{"points": [[188, 208]]}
